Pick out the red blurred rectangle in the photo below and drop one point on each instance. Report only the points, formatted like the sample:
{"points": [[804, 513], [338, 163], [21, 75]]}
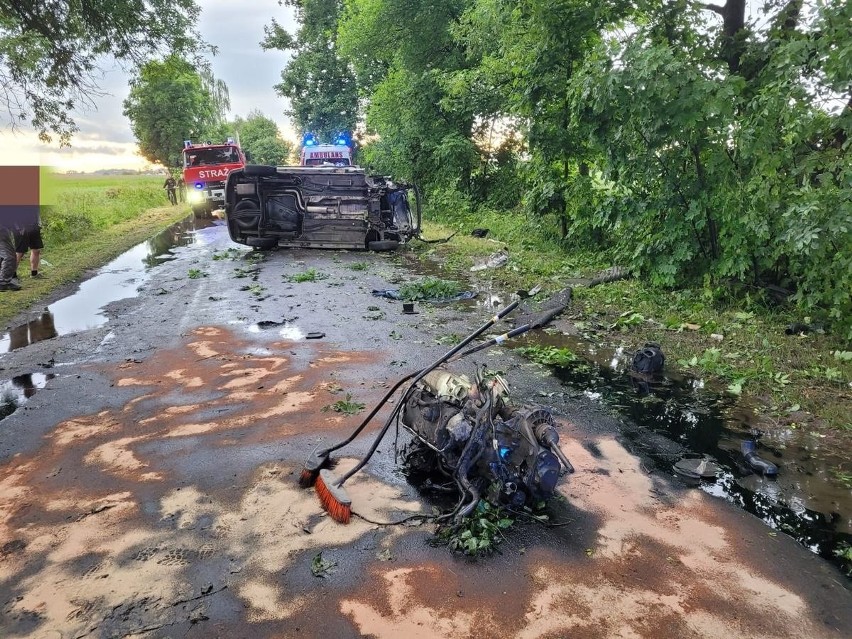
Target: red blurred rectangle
{"points": [[19, 185]]}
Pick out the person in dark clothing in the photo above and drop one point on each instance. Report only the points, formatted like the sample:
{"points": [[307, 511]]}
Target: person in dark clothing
{"points": [[171, 185], [29, 240], [8, 261]]}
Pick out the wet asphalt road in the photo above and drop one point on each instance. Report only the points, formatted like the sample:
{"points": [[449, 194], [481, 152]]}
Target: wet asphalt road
{"points": [[149, 489]]}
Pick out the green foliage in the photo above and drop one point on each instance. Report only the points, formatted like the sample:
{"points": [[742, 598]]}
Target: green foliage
{"points": [[844, 553], [429, 288], [844, 477], [627, 320], [724, 166], [51, 51], [549, 355], [316, 80], [83, 205], [644, 131], [310, 275], [171, 101], [359, 266], [345, 406], [228, 254], [479, 533], [255, 289], [420, 137], [195, 274]]}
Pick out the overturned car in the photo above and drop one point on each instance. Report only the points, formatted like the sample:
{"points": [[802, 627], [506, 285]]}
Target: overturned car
{"points": [[318, 207]]}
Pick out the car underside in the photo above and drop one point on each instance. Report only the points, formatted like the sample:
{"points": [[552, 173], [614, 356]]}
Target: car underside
{"points": [[318, 207]]}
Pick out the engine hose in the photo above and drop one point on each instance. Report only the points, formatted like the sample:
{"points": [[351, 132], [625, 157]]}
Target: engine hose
{"points": [[470, 455], [369, 417]]}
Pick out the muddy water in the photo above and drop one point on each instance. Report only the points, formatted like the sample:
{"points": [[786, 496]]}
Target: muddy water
{"points": [[83, 310], [677, 417], [118, 280], [15, 392]]}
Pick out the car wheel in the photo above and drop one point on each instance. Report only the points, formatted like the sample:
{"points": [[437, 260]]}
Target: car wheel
{"points": [[383, 245], [262, 243]]}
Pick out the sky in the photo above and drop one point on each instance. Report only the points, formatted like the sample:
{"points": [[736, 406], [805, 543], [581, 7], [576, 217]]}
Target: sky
{"points": [[105, 140]]}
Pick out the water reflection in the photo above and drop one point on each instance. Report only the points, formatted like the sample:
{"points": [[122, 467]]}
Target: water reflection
{"points": [[15, 392], [120, 279], [40, 328], [671, 417]]}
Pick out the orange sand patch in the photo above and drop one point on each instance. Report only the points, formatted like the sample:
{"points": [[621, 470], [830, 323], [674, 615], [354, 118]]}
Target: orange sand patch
{"points": [[407, 618]]}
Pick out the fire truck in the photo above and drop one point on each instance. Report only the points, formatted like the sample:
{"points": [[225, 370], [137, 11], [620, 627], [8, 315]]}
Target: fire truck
{"points": [[205, 170], [337, 154]]}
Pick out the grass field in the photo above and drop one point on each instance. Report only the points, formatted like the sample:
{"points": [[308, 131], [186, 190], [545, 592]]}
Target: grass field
{"points": [[90, 220]]}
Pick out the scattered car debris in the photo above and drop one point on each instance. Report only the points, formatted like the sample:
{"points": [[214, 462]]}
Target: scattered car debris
{"points": [[797, 328], [393, 294], [696, 469], [491, 450], [649, 360], [498, 259], [315, 335], [408, 309], [757, 464]]}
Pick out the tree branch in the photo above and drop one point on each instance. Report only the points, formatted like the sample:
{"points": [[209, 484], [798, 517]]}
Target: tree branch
{"points": [[715, 8]]}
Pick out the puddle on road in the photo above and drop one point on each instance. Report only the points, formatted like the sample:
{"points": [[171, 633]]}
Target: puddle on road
{"points": [[118, 280], [678, 417], [15, 392]]}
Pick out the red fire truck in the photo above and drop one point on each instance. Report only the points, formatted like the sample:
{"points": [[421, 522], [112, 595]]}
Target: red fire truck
{"points": [[205, 170]]}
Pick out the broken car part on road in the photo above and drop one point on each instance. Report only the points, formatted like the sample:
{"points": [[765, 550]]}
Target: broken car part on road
{"points": [[467, 431]]}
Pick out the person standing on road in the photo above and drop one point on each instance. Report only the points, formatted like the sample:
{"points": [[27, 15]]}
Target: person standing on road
{"points": [[8, 261], [30, 240], [170, 186]]}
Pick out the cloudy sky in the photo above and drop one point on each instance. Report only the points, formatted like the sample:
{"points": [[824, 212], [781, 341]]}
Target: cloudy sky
{"points": [[105, 139]]}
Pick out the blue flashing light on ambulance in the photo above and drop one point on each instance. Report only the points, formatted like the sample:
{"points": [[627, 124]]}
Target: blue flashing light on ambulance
{"points": [[338, 153]]}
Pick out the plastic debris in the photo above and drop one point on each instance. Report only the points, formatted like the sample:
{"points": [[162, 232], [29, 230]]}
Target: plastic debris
{"points": [[758, 464], [696, 469], [497, 260]]}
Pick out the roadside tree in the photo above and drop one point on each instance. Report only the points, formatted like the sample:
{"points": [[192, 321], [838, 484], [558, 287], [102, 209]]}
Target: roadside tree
{"points": [[50, 51], [169, 102], [317, 81]]}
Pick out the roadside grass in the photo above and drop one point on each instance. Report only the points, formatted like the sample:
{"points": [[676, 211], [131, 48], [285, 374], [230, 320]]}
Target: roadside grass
{"points": [[94, 219], [730, 336]]}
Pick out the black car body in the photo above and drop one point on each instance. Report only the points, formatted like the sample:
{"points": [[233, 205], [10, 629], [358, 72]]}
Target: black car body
{"points": [[318, 207]]}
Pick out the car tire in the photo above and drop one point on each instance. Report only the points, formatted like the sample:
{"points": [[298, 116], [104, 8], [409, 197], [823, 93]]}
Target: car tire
{"points": [[262, 243], [383, 245]]}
